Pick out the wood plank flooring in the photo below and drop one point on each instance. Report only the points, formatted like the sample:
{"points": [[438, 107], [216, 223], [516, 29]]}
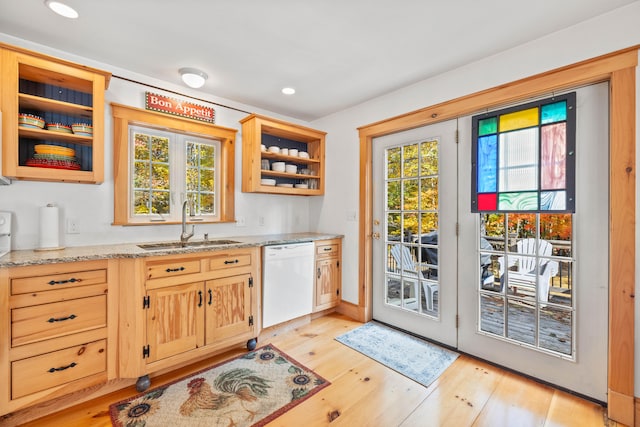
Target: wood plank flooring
{"points": [[365, 393]]}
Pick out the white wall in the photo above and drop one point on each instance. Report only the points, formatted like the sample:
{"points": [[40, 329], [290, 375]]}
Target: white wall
{"points": [[607, 33], [92, 205]]}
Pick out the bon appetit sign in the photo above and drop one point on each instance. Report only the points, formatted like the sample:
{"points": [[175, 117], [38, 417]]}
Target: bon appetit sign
{"points": [[164, 104]]}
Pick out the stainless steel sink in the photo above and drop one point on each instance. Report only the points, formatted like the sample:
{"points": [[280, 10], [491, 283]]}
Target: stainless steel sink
{"points": [[178, 245]]}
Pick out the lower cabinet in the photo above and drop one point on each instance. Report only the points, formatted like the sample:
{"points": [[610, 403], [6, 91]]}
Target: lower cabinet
{"points": [[185, 308], [186, 317], [328, 274], [54, 337]]}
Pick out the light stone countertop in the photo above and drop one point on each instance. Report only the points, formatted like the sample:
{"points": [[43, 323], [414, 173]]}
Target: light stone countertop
{"points": [[131, 250]]}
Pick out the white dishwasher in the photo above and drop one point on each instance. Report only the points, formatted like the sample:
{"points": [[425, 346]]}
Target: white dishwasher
{"points": [[287, 282]]}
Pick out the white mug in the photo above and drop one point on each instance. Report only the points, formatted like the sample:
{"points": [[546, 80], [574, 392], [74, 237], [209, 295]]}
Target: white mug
{"points": [[284, 151]]}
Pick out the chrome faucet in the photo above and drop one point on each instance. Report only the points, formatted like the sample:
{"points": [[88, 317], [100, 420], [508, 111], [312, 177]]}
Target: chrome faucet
{"points": [[184, 236]]}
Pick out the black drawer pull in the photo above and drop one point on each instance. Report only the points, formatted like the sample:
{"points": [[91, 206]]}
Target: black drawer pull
{"points": [[235, 261], [60, 319], [62, 282], [210, 296], [326, 249], [319, 273], [63, 368], [200, 301], [173, 270]]}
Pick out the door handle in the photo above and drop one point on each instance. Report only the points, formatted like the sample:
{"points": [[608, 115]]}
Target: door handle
{"points": [[376, 235]]}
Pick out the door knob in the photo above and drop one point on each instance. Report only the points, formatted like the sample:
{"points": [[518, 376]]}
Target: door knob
{"points": [[376, 235]]}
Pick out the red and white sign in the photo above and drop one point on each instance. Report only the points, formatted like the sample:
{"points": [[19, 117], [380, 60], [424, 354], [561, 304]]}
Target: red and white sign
{"points": [[164, 104]]}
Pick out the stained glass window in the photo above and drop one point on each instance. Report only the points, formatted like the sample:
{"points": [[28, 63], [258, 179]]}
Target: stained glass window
{"points": [[523, 157]]}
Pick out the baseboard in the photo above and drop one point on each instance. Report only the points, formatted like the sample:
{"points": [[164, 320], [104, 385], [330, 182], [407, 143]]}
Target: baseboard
{"points": [[621, 407], [351, 310]]}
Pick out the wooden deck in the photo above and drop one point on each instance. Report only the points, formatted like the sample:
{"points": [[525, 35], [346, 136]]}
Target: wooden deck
{"points": [[555, 322], [365, 393]]}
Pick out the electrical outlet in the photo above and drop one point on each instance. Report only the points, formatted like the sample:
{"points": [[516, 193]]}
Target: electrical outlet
{"points": [[72, 226], [241, 222]]}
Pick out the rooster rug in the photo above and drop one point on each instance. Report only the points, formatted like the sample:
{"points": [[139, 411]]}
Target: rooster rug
{"points": [[250, 390]]}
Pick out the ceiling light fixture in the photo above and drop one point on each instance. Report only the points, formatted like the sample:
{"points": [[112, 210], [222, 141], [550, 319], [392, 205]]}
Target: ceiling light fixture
{"points": [[288, 90], [193, 77], [62, 9]]}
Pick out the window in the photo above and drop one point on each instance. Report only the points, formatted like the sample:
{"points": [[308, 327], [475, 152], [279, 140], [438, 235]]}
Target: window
{"points": [[412, 212], [168, 168], [162, 161], [523, 187], [524, 159]]}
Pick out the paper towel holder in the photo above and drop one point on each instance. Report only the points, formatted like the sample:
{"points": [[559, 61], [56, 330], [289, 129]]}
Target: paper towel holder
{"points": [[53, 228]]}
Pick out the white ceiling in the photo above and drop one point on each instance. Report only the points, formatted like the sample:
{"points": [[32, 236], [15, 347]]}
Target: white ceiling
{"points": [[335, 53]]}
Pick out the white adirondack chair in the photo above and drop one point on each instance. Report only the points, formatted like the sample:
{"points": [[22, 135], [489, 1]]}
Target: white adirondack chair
{"points": [[526, 272], [404, 260]]}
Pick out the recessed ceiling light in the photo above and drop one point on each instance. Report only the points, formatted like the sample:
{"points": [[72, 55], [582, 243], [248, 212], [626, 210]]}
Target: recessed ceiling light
{"points": [[288, 90], [193, 77], [62, 9]]}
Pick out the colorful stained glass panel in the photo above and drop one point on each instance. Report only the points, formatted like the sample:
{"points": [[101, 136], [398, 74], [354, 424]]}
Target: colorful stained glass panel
{"points": [[488, 202], [553, 200], [523, 158], [487, 126], [519, 119], [552, 113], [518, 163], [553, 170], [525, 201], [487, 163]]}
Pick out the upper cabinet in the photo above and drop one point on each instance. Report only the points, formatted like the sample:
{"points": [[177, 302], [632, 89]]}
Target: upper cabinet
{"points": [[52, 118], [281, 158]]}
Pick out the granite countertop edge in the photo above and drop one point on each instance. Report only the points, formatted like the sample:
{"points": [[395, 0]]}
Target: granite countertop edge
{"points": [[132, 250]]}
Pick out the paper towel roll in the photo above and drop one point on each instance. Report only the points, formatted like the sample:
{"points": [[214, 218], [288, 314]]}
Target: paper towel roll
{"points": [[49, 227]]}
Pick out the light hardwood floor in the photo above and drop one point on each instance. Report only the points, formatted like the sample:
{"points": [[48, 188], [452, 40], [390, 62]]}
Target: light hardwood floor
{"points": [[365, 393]]}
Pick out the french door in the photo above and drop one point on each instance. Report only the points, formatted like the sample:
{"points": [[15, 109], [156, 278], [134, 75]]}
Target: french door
{"points": [[428, 277], [415, 209]]}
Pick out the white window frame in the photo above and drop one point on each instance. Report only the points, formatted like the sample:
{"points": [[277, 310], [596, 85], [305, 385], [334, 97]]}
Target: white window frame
{"points": [[177, 177]]}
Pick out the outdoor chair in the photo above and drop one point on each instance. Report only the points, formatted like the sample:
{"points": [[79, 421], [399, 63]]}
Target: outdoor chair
{"points": [[526, 271], [402, 255]]}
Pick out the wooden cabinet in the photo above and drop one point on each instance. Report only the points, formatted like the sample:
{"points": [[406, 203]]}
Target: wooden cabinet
{"points": [[259, 133], [185, 307], [55, 323], [328, 274], [57, 91]]}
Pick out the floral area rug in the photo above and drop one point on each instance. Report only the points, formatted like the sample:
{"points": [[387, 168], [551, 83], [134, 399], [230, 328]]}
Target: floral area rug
{"points": [[413, 357], [250, 390]]}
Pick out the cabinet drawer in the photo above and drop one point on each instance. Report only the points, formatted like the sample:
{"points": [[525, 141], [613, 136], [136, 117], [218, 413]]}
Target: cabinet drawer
{"points": [[327, 250], [25, 285], [174, 267], [230, 260], [57, 368], [41, 322]]}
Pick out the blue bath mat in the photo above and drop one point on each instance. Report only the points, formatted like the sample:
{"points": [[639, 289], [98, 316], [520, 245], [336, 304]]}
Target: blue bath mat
{"points": [[414, 358]]}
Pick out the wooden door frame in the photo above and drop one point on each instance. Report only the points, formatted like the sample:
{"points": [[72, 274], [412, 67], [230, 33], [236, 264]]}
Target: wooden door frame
{"points": [[619, 69]]}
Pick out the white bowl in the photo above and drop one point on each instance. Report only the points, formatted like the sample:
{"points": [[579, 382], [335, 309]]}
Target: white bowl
{"points": [[293, 152], [263, 147], [303, 154], [278, 166], [274, 149], [268, 181], [285, 185], [302, 185], [291, 168], [284, 151]]}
